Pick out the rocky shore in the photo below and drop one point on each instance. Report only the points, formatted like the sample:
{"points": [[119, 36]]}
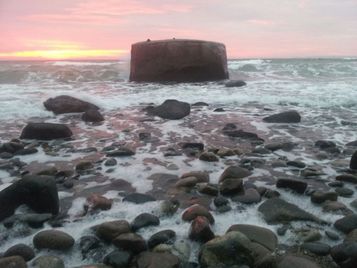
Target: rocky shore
{"points": [[175, 184]]}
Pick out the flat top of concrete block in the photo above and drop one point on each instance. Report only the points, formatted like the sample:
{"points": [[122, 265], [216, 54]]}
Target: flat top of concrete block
{"points": [[175, 41]]}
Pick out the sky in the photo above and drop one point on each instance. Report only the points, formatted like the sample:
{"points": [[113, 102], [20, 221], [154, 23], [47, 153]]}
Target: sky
{"points": [[105, 29]]}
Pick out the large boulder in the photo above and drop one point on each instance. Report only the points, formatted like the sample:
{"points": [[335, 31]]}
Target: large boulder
{"points": [[178, 60], [284, 117], [171, 109], [45, 131], [67, 104], [37, 192]]}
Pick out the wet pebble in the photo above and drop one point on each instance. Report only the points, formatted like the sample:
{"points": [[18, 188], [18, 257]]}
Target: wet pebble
{"points": [[144, 220]]}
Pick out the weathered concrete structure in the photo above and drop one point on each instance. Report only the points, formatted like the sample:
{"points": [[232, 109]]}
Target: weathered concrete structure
{"points": [[178, 60]]}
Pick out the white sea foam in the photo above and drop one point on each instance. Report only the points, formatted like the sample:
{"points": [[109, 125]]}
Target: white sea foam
{"points": [[83, 63]]}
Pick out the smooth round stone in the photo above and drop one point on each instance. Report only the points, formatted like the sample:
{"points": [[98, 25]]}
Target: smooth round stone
{"points": [[131, 242], [22, 250], [347, 223], [332, 235], [317, 248], [53, 239], [110, 162], [118, 259], [162, 237], [13, 262], [144, 220], [110, 230], [48, 262], [319, 197], [336, 184], [344, 192]]}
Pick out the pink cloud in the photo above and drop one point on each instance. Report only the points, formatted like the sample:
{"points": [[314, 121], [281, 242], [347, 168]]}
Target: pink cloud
{"points": [[107, 12]]}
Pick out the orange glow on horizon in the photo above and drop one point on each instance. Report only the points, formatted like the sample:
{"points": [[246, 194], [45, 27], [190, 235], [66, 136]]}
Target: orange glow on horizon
{"points": [[64, 54]]}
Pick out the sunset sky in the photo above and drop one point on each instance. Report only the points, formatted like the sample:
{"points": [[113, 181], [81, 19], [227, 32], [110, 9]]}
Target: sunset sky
{"points": [[105, 29]]}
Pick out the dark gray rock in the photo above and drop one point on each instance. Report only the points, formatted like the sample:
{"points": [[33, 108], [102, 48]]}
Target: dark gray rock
{"points": [[92, 115], [332, 235], [144, 220], [178, 60], [297, 164], [22, 250], [121, 152], [295, 185], [220, 201], [67, 104], [344, 192], [347, 178], [284, 117], [317, 248], [45, 131], [345, 254], [138, 198], [118, 259], [37, 192], [276, 210], [235, 83], [53, 239], [162, 237], [171, 109], [347, 223], [110, 162], [87, 244]]}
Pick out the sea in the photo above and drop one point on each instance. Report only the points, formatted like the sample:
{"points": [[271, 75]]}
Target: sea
{"points": [[322, 90]]}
